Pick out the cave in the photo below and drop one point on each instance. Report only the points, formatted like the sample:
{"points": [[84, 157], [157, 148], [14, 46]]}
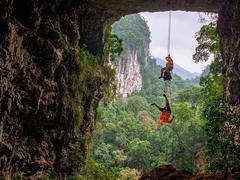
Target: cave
{"points": [[38, 131]]}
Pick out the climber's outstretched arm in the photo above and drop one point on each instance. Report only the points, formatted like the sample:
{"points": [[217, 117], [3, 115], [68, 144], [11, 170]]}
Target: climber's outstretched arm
{"points": [[172, 119], [160, 109]]}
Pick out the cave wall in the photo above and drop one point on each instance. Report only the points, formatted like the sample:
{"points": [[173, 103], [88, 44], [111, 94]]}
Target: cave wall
{"points": [[37, 119], [229, 31], [37, 127], [124, 7]]}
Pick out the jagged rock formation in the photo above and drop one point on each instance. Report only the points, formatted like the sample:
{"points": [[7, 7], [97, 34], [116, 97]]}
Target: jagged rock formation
{"points": [[129, 77], [228, 27], [38, 131], [134, 6], [38, 97]]}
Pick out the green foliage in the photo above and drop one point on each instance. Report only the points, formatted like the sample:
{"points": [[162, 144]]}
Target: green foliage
{"points": [[61, 35], [136, 104], [113, 45], [129, 173], [209, 43], [135, 36], [80, 74], [19, 175], [76, 157], [192, 95], [22, 176], [128, 139], [220, 151], [108, 80], [94, 170], [183, 111], [141, 58], [83, 69], [45, 176], [133, 31]]}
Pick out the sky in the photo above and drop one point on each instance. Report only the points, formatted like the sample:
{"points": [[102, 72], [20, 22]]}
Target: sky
{"points": [[183, 43]]}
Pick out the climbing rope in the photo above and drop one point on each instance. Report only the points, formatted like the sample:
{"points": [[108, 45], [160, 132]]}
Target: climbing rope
{"points": [[167, 84], [167, 89], [169, 31]]}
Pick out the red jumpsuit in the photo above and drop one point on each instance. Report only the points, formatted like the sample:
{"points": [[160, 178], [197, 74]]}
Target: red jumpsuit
{"points": [[164, 118]]}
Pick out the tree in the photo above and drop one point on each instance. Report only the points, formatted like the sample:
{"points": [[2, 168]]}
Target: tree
{"points": [[190, 95], [137, 104], [220, 151], [208, 42]]}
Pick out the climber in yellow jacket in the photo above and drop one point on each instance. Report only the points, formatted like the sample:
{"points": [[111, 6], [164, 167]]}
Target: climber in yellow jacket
{"points": [[166, 71]]}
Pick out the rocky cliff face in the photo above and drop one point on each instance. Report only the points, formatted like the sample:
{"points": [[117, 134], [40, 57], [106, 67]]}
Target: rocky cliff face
{"points": [[228, 27], [135, 35], [48, 93], [50, 89], [128, 69]]}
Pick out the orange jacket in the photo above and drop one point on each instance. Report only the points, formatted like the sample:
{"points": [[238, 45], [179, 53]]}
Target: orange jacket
{"points": [[164, 118], [170, 63]]}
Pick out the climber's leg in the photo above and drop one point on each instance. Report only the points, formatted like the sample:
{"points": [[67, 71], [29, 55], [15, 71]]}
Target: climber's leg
{"points": [[167, 75], [162, 72], [167, 106]]}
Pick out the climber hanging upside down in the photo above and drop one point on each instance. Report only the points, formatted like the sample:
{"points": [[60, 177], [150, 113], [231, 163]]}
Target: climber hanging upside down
{"points": [[166, 71], [165, 112]]}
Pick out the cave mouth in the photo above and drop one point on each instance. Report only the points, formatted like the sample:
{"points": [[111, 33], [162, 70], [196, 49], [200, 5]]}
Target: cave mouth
{"points": [[128, 122]]}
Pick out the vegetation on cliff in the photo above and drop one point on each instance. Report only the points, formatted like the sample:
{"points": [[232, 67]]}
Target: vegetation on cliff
{"points": [[133, 31], [135, 35], [222, 149]]}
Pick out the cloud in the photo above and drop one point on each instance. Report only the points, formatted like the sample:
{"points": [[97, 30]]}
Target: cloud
{"points": [[183, 42]]}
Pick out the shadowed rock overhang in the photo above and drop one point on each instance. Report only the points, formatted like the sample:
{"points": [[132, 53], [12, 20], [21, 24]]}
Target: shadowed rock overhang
{"points": [[107, 11], [116, 7]]}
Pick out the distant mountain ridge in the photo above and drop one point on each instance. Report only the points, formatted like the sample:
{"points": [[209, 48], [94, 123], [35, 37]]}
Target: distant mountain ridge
{"points": [[180, 71]]}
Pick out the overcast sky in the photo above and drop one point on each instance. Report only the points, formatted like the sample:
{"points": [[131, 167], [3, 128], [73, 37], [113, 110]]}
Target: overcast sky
{"points": [[183, 42]]}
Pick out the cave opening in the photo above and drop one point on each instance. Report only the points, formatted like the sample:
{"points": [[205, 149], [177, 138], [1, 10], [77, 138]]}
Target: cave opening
{"points": [[123, 127]]}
